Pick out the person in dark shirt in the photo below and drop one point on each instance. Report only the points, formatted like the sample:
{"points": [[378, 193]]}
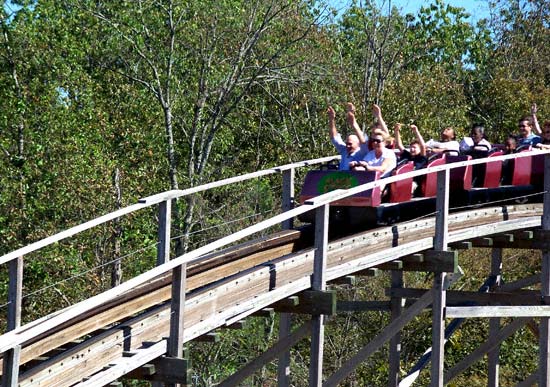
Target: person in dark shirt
{"points": [[417, 147], [416, 152]]}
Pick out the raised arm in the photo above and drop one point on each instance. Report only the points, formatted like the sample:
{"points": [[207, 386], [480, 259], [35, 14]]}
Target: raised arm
{"points": [[420, 139], [352, 122], [536, 125], [331, 114], [397, 134], [377, 114]]}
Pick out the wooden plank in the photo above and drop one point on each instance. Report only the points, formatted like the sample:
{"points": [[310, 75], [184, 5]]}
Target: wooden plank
{"points": [[15, 293], [389, 331], [463, 245], [283, 361], [164, 369], [413, 258], [544, 324], [286, 304], [457, 298], [370, 272], [288, 196], [395, 341], [124, 365], [435, 261], [392, 265], [497, 311], [482, 242], [164, 228], [177, 309], [10, 370], [312, 302], [438, 330]]}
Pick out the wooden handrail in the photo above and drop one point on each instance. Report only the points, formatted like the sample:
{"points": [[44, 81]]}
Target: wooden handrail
{"points": [[27, 332]]}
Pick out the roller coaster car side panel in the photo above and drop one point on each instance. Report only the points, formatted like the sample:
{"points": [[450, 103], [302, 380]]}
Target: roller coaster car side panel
{"points": [[320, 182]]}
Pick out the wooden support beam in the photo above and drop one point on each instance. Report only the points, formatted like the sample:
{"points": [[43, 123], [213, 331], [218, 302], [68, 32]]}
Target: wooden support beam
{"points": [[503, 238], [371, 272], [457, 298], [312, 302], [413, 258], [286, 303], [482, 242], [435, 261], [464, 245], [10, 367], [392, 265], [164, 369], [347, 280], [497, 311]]}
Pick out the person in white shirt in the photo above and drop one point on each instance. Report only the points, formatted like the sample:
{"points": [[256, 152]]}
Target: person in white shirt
{"points": [[447, 142], [355, 147], [476, 141], [379, 159]]}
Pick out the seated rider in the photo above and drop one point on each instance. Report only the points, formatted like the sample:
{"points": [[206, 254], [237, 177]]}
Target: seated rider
{"points": [[544, 133], [447, 142], [417, 147], [379, 159], [355, 147], [526, 136], [476, 142]]}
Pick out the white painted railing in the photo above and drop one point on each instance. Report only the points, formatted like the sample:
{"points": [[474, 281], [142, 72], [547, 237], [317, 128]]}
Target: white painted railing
{"points": [[11, 341]]}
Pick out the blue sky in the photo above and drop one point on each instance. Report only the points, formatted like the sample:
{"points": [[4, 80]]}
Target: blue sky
{"points": [[478, 9]]}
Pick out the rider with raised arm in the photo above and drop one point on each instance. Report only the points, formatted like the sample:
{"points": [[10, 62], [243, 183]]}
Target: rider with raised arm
{"points": [[355, 147], [417, 147]]}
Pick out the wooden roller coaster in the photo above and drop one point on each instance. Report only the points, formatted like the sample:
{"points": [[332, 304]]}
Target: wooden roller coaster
{"points": [[138, 329]]}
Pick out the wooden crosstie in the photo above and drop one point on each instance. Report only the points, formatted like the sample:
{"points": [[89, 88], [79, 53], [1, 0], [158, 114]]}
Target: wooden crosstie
{"points": [[139, 328]]}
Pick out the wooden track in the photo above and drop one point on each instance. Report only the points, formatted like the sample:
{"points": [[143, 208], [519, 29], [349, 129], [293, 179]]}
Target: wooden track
{"points": [[230, 285]]}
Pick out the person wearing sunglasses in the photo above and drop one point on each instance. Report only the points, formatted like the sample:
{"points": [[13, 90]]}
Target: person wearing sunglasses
{"points": [[379, 159], [355, 147], [526, 136]]}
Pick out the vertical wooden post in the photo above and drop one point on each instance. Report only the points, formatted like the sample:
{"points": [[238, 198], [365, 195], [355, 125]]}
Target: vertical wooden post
{"points": [[438, 307], [163, 256], [288, 196], [494, 323], [395, 341], [10, 372], [285, 319], [283, 365], [177, 307], [544, 327], [15, 293], [318, 282], [10, 369], [165, 221]]}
